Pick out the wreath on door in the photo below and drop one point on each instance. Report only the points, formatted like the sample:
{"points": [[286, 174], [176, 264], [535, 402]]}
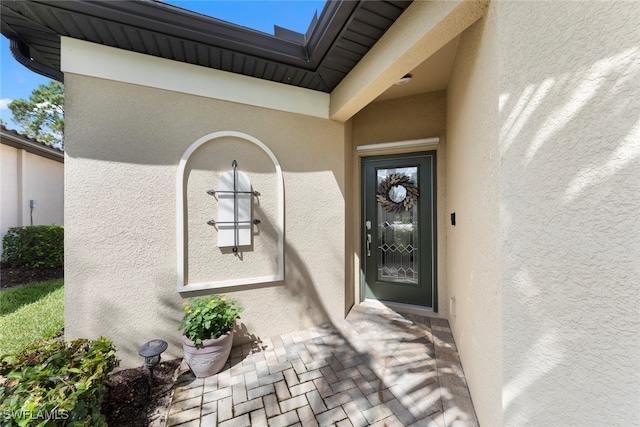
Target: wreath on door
{"points": [[397, 193]]}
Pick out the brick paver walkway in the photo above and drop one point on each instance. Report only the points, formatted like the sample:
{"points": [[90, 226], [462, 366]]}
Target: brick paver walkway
{"points": [[377, 368]]}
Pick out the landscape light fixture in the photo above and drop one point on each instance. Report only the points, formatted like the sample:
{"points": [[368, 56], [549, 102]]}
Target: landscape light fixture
{"points": [[151, 352]]}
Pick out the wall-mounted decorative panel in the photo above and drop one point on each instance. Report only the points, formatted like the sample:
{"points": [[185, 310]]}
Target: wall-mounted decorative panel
{"points": [[235, 207], [234, 210]]}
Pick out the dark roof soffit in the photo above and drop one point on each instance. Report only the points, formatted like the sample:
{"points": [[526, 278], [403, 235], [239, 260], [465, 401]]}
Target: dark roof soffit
{"points": [[317, 60]]}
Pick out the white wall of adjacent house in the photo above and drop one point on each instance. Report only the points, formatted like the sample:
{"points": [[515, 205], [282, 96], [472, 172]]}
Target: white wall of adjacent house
{"points": [[25, 177], [570, 236]]}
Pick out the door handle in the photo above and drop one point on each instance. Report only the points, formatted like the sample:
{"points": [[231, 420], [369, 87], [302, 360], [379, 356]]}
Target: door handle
{"points": [[368, 244]]}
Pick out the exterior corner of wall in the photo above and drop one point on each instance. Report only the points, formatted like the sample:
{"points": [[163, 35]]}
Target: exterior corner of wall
{"points": [[472, 191]]}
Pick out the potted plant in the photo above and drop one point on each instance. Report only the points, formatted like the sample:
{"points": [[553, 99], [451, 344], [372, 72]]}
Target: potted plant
{"points": [[208, 333]]}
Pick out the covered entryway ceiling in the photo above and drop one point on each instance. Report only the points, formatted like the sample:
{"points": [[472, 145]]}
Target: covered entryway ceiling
{"points": [[430, 76], [418, 35]]}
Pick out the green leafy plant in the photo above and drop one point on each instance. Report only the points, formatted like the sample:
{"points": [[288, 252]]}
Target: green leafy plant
{"points": [[39, 246], [56, 383], [209, 318]]}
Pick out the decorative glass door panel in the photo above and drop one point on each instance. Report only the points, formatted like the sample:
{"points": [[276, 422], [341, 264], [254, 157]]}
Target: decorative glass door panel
{"points": [[398, 259], [399, 228]]}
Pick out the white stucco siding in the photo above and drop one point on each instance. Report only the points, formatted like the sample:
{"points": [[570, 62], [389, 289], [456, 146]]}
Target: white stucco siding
{"points": [[10, 214], [26, 176], [570, 147], [96, 60], [472, 193], [43, 181]]}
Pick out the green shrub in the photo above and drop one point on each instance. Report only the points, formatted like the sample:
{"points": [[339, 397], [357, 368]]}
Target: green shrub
{"points": [[39, 246], [209, 317], [56, 384]]}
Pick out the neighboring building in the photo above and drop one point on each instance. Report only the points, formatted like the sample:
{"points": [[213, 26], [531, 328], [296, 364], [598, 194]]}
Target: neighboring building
{"points": [[32, 182], [521, 118]]}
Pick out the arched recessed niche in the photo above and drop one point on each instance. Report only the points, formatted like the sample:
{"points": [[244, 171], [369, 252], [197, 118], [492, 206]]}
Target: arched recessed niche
{"points": [[182, 223]]}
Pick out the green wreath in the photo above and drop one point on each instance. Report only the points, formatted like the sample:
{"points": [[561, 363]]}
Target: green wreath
{"points": [[391, 195]]}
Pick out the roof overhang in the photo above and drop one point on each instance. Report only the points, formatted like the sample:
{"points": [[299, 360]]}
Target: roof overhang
{"points": [[424, 29], [22, 142], [319, 59]]}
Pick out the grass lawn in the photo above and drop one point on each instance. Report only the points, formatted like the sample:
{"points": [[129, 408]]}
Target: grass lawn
{"points": [[30, 312]]}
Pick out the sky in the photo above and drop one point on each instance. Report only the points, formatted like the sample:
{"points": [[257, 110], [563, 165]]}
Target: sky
{"points": [[16, 81]]}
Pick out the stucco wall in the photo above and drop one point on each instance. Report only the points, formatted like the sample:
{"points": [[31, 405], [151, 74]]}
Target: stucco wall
{"points": [[206, 263], [9, 213], [473, 244], [569, 148], [27, 176], [123, 144], [401, 119], [43, 182]]}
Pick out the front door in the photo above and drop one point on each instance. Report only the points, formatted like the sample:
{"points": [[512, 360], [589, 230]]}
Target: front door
{"points": [[399, 228]]}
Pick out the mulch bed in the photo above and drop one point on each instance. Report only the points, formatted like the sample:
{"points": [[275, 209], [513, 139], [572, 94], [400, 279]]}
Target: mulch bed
{"points": [[129, 405], [14, 276]]}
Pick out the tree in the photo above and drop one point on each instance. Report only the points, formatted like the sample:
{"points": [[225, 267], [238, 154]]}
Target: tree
{"points": [[42, 115]]}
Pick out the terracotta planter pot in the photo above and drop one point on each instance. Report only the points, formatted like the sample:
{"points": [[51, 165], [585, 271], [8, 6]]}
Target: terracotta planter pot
{"points": [[209, 358]]}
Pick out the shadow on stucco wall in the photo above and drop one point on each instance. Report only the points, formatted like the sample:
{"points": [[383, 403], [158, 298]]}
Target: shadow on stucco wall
{"points": [[570, 146]]}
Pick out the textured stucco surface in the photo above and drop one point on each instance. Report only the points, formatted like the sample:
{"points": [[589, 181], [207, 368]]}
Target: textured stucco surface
{"points": [[205, 261], [473, 244], [27, 176], [401, 119], [570, 185], [123, 144]]}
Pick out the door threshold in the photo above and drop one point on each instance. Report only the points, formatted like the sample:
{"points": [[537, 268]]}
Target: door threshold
{"points": [[401, 307]]}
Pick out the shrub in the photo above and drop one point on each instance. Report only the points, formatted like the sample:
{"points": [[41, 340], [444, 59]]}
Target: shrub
{"points": [[56, 384], [209, 318], [39, 246]]}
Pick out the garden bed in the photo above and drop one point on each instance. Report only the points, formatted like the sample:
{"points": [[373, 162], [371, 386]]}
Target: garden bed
{"points": [[14, 276], [128, 404]]}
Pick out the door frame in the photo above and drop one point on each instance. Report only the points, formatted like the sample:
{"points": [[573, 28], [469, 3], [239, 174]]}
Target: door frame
{"points": [[434, 220]]}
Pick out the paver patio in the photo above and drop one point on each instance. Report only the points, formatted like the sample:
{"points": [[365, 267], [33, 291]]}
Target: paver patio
{"points": [[378, 367]]}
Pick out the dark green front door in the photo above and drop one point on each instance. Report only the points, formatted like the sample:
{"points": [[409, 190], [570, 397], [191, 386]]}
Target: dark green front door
{"points": [[399, 228]]}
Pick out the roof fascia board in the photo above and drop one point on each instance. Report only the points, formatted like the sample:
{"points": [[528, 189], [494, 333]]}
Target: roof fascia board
{"points": [[90, 59], [34, 147], [335, 16], [419, 32]]}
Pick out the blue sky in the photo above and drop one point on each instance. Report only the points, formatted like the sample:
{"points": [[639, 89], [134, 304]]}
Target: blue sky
{"points": [[16, 81]]}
